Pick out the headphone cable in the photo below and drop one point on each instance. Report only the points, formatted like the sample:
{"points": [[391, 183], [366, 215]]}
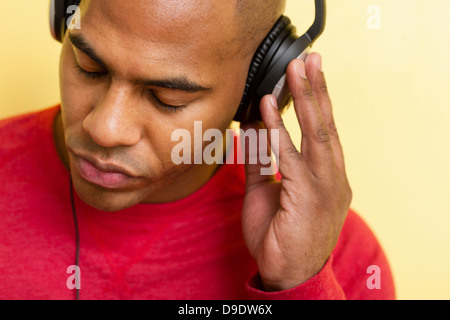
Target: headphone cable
{"points": [[77, 236]]}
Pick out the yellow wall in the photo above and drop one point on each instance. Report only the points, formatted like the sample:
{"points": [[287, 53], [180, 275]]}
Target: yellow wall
{"points": [[392, 107]]}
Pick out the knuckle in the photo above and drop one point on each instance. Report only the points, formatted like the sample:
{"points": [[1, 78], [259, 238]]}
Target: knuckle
{"points": [[322, 135], [307, 93], [332, 130], [323, 88], [280, 123], [291, 150]]}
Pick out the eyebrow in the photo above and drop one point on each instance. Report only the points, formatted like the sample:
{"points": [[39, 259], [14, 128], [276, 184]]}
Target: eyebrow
{"points": [[81, 44], [177, 83]]}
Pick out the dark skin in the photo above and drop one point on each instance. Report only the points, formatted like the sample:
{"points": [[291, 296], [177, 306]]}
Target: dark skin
{"points": [[290, 227]]}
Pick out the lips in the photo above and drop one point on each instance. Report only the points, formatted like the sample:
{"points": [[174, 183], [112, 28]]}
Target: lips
{"points": [[106, 175]]}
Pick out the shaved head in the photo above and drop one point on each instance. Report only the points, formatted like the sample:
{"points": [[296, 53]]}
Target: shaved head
{"points": [[253, 20], [256, 18]]}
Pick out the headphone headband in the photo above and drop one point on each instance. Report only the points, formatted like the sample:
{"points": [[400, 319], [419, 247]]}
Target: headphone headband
{"points": [[318, 26], [269, 77]]}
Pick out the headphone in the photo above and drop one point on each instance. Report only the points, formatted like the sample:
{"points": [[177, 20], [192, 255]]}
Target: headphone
{"points": [[267, 72]]}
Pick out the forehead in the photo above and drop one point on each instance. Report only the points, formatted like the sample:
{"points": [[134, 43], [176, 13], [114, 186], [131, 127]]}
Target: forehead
{"points": [[190, 29]]}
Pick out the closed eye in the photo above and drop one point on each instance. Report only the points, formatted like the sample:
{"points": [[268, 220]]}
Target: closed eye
{"points": [[90, 75], [100, 75], [163, 105]]}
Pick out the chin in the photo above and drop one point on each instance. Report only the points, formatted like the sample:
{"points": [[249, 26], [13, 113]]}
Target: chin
{"points": [[110, 203], [110, 207], [106, 200]]}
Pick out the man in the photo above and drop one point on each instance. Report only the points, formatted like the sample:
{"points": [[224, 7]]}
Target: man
{"points": [[148, 228]]}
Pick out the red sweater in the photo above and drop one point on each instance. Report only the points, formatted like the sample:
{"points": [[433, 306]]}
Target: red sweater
{"points": [[188, 249]]}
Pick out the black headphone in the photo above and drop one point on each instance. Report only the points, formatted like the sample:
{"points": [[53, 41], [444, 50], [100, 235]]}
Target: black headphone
{"points": [[267, 72]]}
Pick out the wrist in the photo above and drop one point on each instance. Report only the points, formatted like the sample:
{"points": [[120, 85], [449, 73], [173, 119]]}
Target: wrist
{"points": [[288, 280], [271, 286]]}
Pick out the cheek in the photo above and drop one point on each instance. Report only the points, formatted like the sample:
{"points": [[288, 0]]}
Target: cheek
{"points": [[215, 112], [69, 87], [77, 98], [229, 96]]}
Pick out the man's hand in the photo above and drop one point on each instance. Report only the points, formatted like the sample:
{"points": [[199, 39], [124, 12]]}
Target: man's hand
{"points": [[292, 226]]}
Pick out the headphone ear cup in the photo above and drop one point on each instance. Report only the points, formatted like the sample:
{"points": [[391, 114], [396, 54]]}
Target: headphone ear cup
{"points": [[258, 65], [51, 16], [56, 16]]}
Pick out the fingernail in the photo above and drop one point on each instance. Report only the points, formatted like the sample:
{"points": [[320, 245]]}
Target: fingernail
{"points": [[320, 64], [273, 102], [301, 69]]}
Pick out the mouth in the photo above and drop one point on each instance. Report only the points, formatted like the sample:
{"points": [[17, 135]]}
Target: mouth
{"points": [[107, 175]]}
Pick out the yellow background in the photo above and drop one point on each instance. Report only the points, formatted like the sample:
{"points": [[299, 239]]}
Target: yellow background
{"points": [[390, 88]]}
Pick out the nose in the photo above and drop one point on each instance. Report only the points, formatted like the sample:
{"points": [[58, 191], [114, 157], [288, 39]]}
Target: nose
{"points": [[112, 121]]}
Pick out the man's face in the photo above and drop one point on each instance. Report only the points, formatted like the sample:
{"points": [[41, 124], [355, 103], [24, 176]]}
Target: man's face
{"points": [[119, 74]]}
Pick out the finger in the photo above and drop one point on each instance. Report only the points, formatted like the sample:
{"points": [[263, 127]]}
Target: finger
{"points": [[255, 154], [316, 145], [320, 90], [290, 162]]}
